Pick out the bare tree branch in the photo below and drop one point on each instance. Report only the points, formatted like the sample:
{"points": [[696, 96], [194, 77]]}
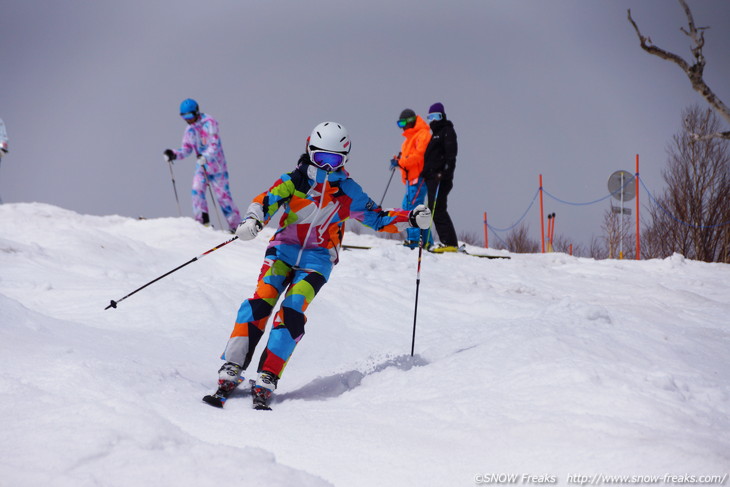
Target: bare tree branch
{"points": [[648, 46], [693, 71], [714, 135], [692, 216]]}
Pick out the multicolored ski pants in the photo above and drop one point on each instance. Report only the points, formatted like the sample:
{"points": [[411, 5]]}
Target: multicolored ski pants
{"points": [[276, 276], [222, 193]]}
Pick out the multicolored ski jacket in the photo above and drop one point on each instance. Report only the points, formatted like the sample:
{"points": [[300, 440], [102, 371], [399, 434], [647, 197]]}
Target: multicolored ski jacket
{"points": [[201, 138], [315, 205]]}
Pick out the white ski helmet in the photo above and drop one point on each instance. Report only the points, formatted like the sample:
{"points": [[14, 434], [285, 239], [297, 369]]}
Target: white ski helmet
{"points": [[329, 145]]}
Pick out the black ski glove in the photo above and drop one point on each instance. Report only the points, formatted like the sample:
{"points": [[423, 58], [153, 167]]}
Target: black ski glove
{"points": [[170, 155]]}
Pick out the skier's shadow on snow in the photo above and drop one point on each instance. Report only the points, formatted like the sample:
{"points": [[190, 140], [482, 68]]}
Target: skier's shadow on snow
{"points": [[323, 388]]}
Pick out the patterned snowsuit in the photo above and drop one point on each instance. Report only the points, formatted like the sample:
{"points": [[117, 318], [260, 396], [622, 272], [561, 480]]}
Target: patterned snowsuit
{"points": [[202, 139], [300, 256], [411, 165]]}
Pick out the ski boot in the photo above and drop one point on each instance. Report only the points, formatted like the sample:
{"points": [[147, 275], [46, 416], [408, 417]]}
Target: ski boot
{"points": [[229, 376], [442, 249], [261, 391]]}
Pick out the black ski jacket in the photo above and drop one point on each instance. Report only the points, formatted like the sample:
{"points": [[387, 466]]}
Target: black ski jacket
{"points": [[440, 156]]}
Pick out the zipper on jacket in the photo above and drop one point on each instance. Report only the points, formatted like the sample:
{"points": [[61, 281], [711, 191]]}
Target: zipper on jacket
{"points": [[316, 214]]}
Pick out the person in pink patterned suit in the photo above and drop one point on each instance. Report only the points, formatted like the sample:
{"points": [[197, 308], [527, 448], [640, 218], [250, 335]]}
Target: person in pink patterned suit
{"points": [[201, 138]]}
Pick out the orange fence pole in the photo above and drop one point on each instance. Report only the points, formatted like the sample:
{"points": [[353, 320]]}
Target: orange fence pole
{"points": [[638, 235], [486, 232], [542, 220]]}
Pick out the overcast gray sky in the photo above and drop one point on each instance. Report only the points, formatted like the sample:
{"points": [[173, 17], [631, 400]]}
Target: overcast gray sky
{"points": [[89, 91]]}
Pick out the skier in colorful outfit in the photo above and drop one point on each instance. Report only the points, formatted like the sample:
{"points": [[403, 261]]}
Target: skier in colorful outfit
{"points": [[201, 138], [316, 198], [410, 162], [438, 172]]}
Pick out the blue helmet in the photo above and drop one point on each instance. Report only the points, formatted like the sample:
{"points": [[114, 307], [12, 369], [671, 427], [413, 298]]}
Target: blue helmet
{"points": [[189, 106]]}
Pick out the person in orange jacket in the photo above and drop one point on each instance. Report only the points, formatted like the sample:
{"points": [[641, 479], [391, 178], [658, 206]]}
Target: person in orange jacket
{"points": [[410, 161]]}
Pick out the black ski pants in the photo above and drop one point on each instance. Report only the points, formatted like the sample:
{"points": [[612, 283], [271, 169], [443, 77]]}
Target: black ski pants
{"points": [[441, 219]]}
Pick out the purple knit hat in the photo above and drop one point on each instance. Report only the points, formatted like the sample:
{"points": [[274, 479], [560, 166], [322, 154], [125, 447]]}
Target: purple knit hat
{"points": [[437, 107]]}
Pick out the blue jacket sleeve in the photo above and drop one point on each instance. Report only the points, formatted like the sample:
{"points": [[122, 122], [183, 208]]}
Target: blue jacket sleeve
{"points": [[370, 214]]}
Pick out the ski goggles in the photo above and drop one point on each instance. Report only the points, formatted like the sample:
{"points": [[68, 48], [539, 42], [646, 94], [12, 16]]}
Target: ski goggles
{"points": [[405, 121], [435, 116], [189, 116], [329, 161]]}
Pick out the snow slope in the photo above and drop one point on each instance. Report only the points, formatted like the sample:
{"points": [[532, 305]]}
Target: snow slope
{"points": [[543, 365]]}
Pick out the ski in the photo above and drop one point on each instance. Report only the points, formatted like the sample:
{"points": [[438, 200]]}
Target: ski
{"points": [[462, 250], [220, 396], [259, 403], [483, 256], [218, 399]]}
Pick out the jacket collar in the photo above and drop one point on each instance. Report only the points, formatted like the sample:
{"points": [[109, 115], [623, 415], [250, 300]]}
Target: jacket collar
{"points": [[420, 125]]}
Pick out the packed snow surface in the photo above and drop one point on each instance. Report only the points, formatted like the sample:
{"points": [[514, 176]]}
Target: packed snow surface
{"points": [[539, 368]]}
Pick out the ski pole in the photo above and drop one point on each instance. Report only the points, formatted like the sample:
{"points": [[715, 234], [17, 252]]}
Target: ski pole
{"points": [[392, 171], [418, 272], [174, 187], [212, 198], [114, 304], [418, 284], [433, 210]]}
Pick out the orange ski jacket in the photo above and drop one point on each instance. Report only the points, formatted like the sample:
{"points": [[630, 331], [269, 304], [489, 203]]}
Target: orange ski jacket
{"points": [[412, 151]]}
